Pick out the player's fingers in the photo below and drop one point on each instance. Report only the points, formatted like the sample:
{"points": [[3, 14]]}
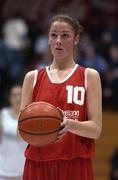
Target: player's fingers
{"points": [[63, 130], [64, 123], [62, 133], [59, 137]]}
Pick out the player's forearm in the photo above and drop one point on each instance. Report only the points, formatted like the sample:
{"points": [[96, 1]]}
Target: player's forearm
{"points": [[89, 129]]}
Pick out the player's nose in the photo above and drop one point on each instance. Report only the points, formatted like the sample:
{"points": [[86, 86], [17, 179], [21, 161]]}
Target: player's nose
{"points": [[58, 40]]}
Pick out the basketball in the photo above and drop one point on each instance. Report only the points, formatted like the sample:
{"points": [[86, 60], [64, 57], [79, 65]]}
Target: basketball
{"points": [[39, 123]]}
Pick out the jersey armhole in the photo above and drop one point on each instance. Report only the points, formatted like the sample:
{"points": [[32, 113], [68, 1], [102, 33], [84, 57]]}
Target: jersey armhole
{"points": [[35, 77], [86, 83]]}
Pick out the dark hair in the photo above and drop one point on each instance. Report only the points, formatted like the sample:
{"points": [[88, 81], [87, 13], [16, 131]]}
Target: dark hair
{"points": [[77, 28]]}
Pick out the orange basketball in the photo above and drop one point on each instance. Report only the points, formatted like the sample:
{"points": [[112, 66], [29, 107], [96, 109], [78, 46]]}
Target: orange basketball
{"points": [[39, 123]]}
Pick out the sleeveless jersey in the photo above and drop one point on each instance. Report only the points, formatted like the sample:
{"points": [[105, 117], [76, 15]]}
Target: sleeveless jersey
{"points": [[70, 97]]}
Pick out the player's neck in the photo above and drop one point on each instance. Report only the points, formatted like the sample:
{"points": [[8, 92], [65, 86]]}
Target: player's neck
{"points": [[60, 74], [62, 66]]}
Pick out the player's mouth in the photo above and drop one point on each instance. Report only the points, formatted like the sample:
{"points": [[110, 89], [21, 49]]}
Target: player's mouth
{"points": [[58, 49]]}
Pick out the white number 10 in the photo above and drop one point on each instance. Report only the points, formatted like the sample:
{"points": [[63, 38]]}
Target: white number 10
{"points": [[72, 95]]}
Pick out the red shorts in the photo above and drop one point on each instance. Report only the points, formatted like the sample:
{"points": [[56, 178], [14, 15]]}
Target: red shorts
{"points": [[75, 169]]}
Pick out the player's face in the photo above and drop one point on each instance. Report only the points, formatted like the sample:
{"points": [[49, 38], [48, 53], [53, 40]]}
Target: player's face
{"points": [[62, 40]]}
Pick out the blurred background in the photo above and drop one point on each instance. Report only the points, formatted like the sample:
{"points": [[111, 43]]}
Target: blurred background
{"points": [[23, 47]]}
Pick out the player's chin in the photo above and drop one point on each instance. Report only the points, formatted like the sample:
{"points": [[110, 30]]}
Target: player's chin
{"points": [[59, 56]]}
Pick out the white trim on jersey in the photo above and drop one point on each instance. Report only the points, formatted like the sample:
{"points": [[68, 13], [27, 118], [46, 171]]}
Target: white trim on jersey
{"points": [[66, 78], [86, 78], [35, 77]]}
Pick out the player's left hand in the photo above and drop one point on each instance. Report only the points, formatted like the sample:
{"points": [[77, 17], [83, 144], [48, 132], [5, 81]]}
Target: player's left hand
{"points": [[63, 129]]}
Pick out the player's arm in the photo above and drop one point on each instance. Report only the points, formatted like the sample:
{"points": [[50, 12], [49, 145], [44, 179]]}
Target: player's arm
{"points": [[92, 127], [27, 89]]}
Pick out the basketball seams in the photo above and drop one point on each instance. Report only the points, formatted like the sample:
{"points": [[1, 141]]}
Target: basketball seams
{"points": [[37, 133], [37, 102], [60, 112], [33, 117]]}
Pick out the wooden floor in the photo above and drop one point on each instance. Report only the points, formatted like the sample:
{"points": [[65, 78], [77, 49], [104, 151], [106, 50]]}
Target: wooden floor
{"points": [[106, 145]]}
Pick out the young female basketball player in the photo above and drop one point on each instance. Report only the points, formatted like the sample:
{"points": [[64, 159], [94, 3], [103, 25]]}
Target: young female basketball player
{"points": [[77, 92]]}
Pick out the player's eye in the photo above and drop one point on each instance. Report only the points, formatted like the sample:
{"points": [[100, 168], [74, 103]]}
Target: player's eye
{"points": [[53, 35], [65, 36]]}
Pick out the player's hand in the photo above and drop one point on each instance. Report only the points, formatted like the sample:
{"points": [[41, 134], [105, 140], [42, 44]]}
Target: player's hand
{"points": [[63, 129]]}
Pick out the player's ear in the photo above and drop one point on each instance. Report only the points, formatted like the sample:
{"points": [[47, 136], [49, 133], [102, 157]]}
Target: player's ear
{"points": [[76, 40]]}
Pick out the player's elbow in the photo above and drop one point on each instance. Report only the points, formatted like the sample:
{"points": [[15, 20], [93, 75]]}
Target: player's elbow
{"points": [[98, 132]]}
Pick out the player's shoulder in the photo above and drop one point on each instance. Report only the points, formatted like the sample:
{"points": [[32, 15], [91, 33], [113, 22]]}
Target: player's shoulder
{"points": [[30, 75], [92, 72]]}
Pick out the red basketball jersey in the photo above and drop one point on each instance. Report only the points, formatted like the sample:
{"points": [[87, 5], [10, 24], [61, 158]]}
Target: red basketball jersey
{"points": [[70, 97]]}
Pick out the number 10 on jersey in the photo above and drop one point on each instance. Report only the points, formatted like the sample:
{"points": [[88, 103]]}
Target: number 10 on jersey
{"points": [[75, 94]]}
